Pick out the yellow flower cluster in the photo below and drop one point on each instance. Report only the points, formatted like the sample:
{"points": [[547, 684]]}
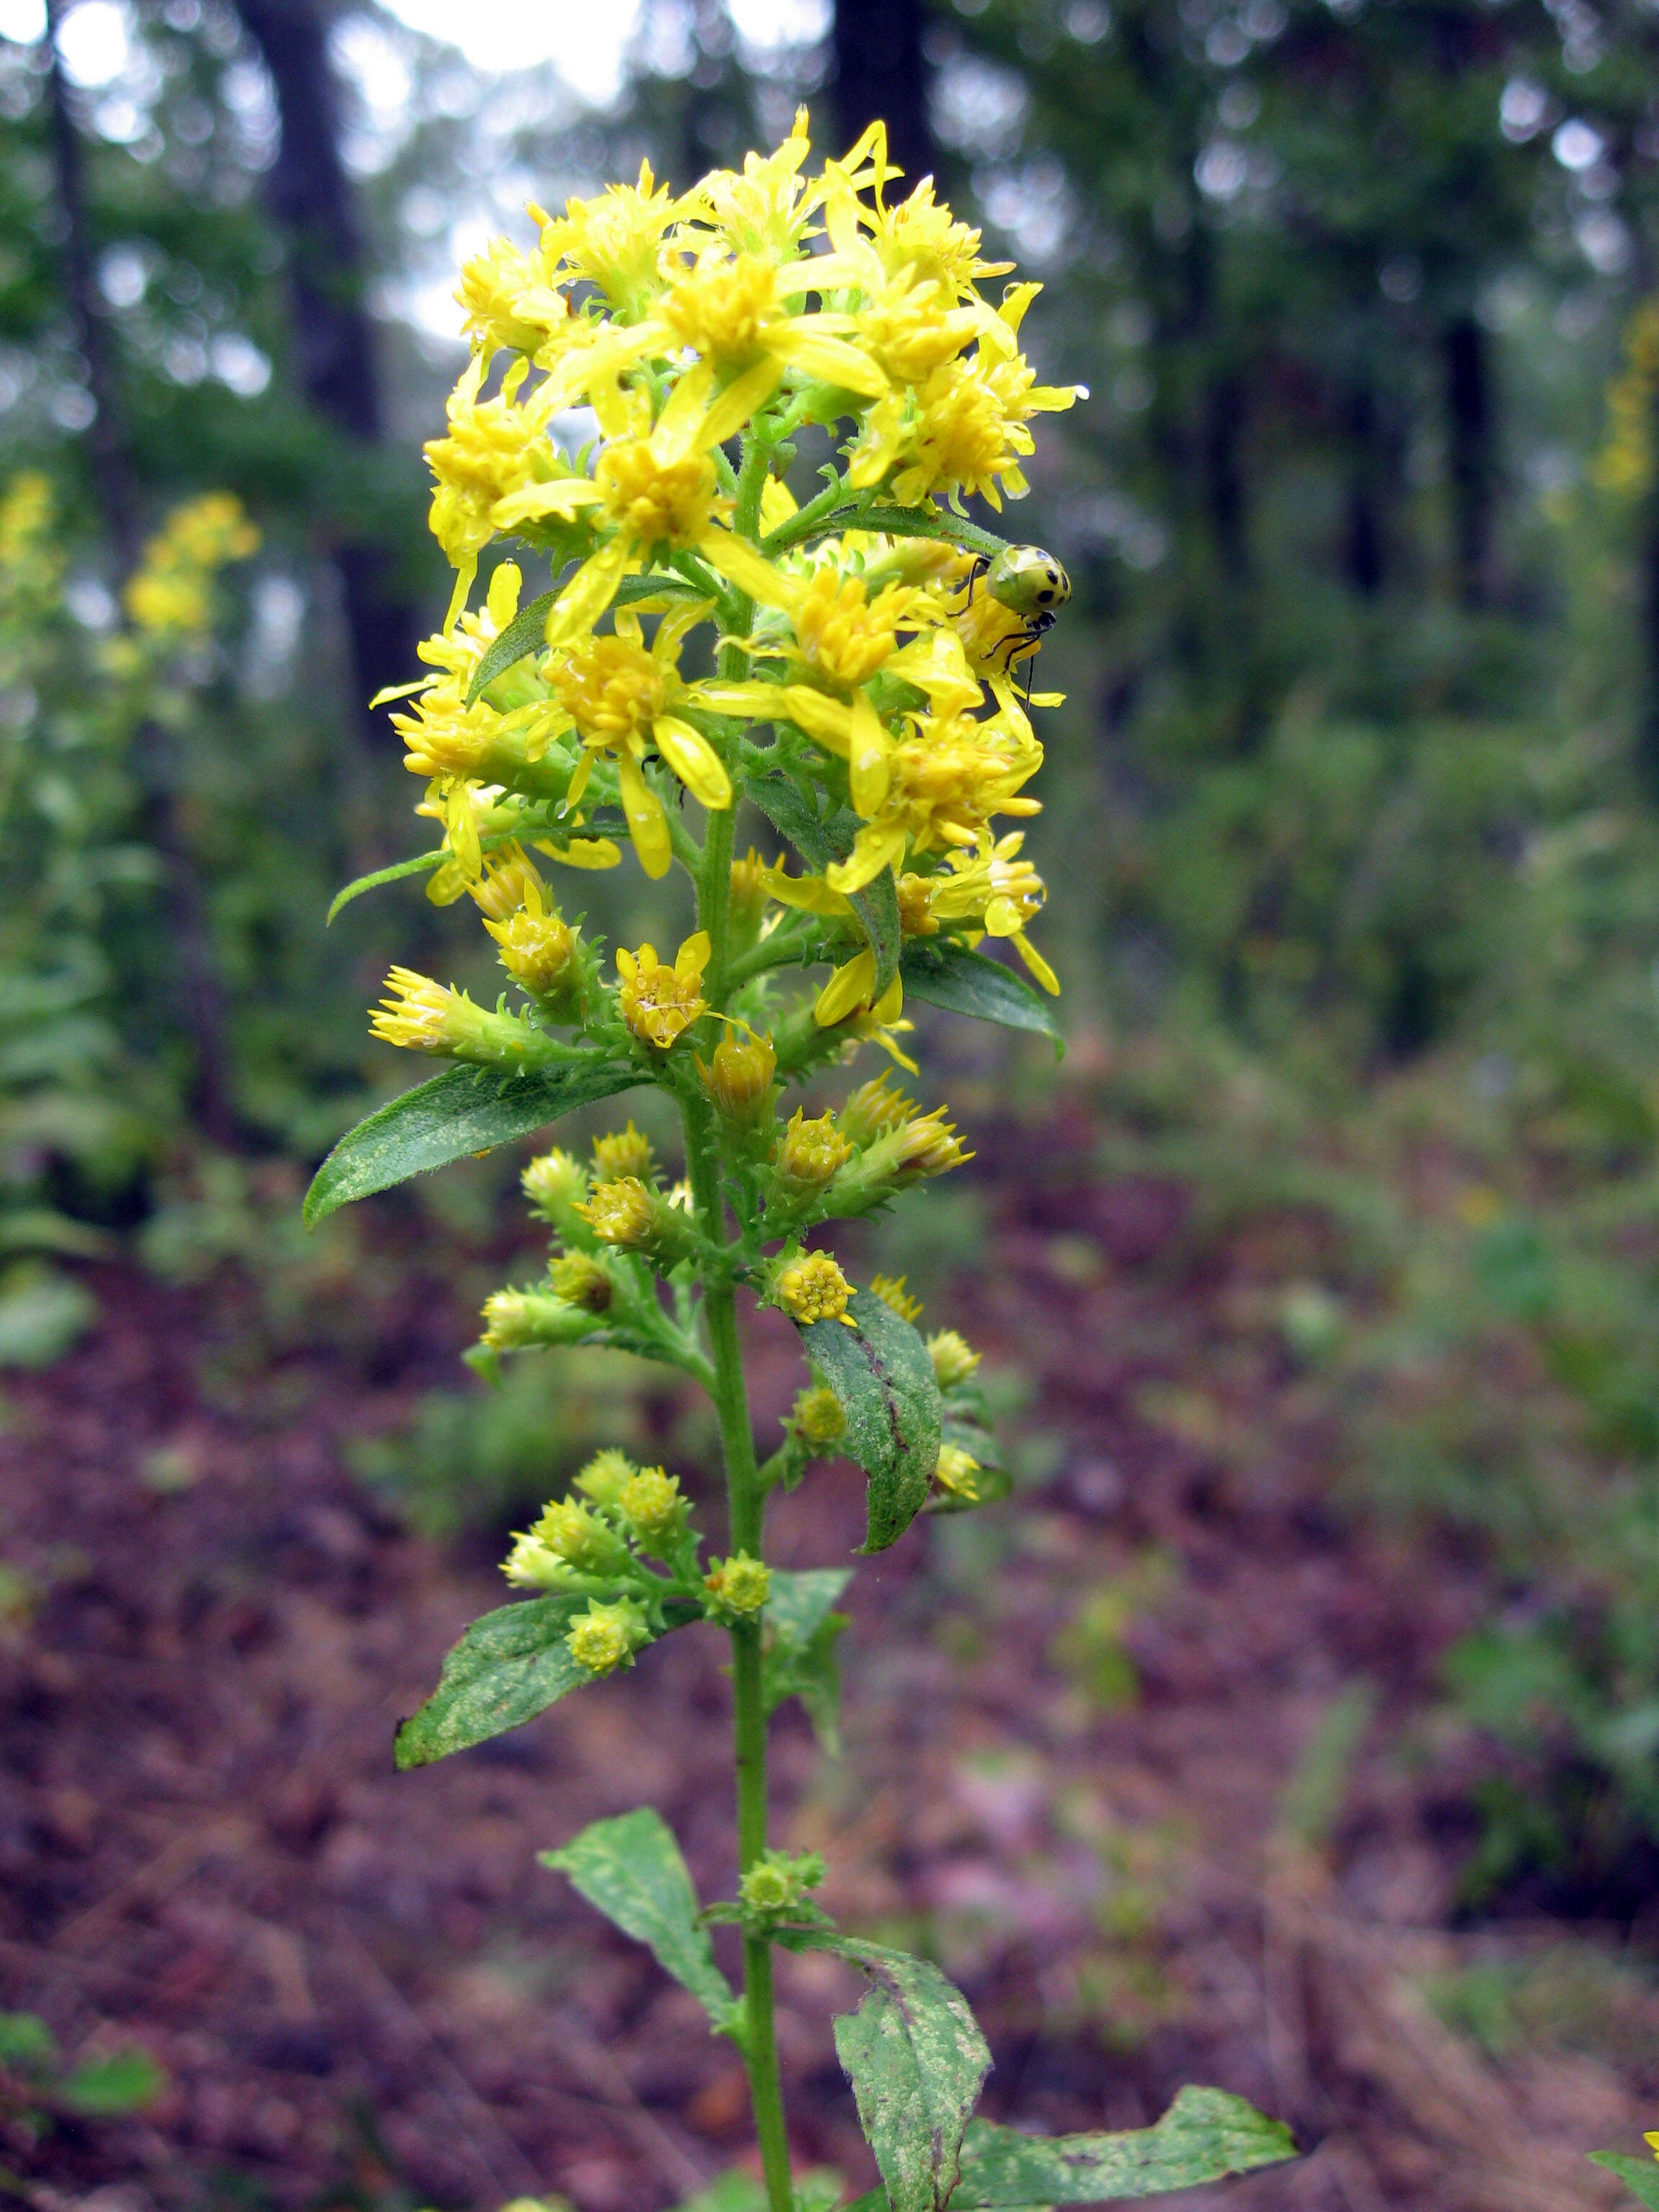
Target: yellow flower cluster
{"points": [[697, 331], [171, 593]]}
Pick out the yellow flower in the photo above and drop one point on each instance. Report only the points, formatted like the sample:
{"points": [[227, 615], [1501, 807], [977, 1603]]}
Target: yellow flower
{"points": [[890, 1290], [736, 311], [811, 1288], [418, 1014], [172, 588], [810, 1151], [944, 781], [873, 1108], [582, 1280], [992, 887], [765, 210], [605, 1476], [818, 1420], [613, 240], [624, 1153], [507, 301], [954, 1360], [739, 1586], [491, 450], [738, 1078], [658, 1003], [650, 1502], [957, 1474], [622, 1211], [621, 698], [606, 1636]]}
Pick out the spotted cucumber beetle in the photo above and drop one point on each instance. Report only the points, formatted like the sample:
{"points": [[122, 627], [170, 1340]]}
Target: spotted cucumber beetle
{"points": [[1031, 586]]}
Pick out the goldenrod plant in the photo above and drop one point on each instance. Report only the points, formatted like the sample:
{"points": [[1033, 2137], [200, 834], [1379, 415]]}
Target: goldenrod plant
{"points": [[638, 383], [73, 869]]}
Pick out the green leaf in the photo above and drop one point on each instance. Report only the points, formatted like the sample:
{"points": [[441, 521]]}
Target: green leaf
{"points": [[463, 1110], [1640, 2175], [630, 1869], [510, 1665], [528, 627], [27, 2043], [884, 1384], [946, 974], [821, 840], [105, 2088], [917, 2060], [802, 1631], [394, 874], [1205, 2135]]}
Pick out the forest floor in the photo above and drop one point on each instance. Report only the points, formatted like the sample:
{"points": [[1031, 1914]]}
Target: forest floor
{"points": [[1086, 1744]]}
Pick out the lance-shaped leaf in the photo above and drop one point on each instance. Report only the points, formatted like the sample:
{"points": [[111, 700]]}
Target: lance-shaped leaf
{"points": [[1204, 2136], [822, 839], [463, 1110], [510, 1665], [1639, 2174], [917, 2060], [946, 974], [630, 1869], [802, 1631], [884, 1384]]}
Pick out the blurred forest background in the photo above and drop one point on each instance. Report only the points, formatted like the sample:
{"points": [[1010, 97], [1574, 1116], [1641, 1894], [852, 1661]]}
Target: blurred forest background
{"points": [[1352, 812]]}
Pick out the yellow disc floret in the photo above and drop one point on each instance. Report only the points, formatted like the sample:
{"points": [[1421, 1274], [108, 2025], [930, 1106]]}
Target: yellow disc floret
{"points": [[813, 1288], [660, 1003]]}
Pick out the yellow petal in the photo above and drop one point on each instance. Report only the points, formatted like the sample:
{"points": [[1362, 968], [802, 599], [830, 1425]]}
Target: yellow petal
{"points": [[890, 1004], [876, 845], [464, 575], [1040, 971], [833, 361], [693, 956], [587, 595], [402, 691], [694, 760], [763, 700], [582, 852], [827, 721], [810, 894], [869, 759], [537, 500], [744, 396], [647, 825], [743, 565], [578, 782], [679, 426], [446, 883], [847, 989]]}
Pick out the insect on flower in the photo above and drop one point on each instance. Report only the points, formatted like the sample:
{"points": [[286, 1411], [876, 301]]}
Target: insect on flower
{"points": [[1026, 583]]}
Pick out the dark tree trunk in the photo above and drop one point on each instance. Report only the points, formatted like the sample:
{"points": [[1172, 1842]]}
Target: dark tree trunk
{"points": [[1223, 430], [880, 74], [1471, 458], [1364, 557], [311, 197]]}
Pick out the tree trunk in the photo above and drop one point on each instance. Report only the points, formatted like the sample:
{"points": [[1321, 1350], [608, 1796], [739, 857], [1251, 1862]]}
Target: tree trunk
{"points": [[880, 74], [1471, 458], [1364, 555], [311, 197]]}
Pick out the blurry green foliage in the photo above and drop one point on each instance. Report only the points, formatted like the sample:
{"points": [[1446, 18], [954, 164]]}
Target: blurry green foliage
{"points": [[481, 1457]]}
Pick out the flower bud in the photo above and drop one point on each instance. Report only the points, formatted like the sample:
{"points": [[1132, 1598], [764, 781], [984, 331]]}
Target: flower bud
{"points": [[874, 1106], [537, 950], [915, 906], [890, 1290], [652, 1507], [624, 1153], [576, 1535], [954, 1360], [514, 1319], [423, 1015], [581, 1281], [818, 1420], [748, 895], [530, 1565], [552, 1181], [605, 1477], [622, 1211], [738, 1587], [957, 1472], [779, 1881], [928, 1146], [606, 1636], [812, 1287], [739, 1078], [810, 1151]]}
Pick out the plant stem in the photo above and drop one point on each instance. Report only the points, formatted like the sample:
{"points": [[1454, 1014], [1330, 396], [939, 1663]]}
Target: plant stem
{"points": [[745, 1494]]}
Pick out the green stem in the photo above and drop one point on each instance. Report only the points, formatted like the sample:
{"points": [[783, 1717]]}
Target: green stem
{"points": [[745, 1494]]}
